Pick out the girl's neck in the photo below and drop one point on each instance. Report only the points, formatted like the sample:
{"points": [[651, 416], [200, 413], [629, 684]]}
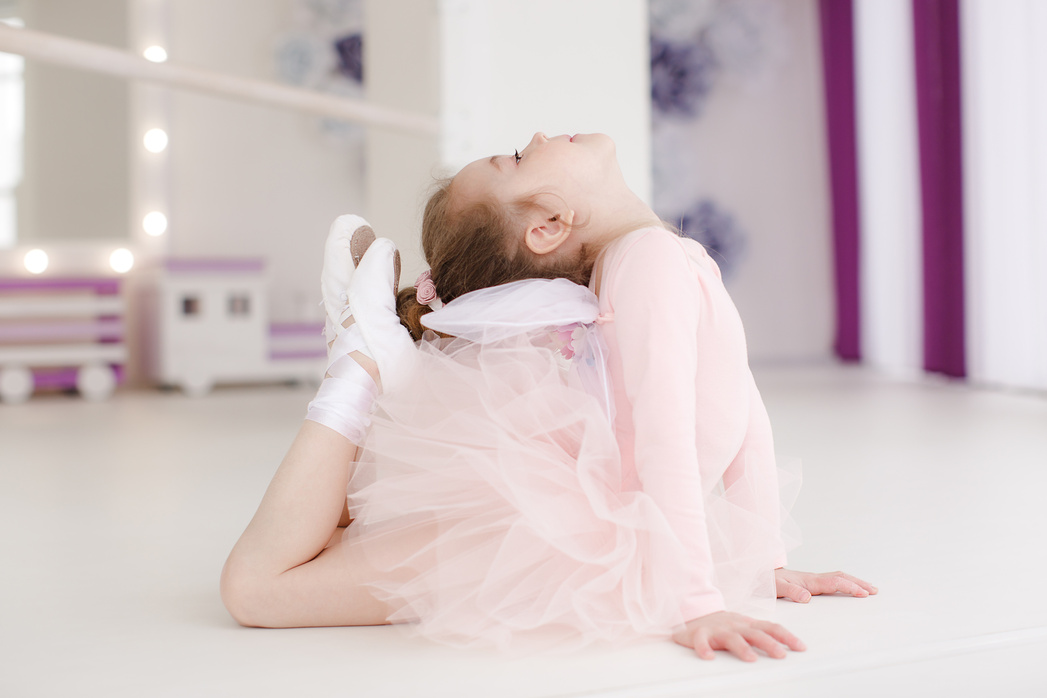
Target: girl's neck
{"points": [[614, 223], [621, 217]]}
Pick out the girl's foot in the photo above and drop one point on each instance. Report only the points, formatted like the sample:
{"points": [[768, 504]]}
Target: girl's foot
{"points": [[346, 395], [372, 295], [347, 241]]}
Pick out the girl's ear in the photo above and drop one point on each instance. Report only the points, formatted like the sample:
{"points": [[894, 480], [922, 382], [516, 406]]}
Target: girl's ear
{"points": [[545, 233]]}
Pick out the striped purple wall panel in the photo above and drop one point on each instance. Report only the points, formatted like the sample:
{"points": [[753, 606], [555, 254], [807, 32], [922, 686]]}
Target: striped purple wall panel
{"points": [[64, 378], [101, 286], [936, 34], [216, 265], [107, 329], [837, 34]]}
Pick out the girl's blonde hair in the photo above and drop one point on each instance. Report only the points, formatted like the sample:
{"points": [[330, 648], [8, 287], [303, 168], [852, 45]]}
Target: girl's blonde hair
{"points": [[480, 245]]}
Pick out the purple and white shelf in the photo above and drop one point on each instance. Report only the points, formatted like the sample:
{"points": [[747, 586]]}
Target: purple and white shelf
{"points": [[61, 333]]}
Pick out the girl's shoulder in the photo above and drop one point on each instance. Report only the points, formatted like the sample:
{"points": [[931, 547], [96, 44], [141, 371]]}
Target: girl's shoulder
{"points": [[644, 246], [654, 235]]}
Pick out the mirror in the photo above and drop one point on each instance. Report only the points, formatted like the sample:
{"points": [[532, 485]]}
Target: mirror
{"points": [[82, 172], [65, 166], [238, 179]]}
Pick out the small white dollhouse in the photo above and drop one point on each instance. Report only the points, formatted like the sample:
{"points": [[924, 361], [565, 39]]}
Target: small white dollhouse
{"points": [[207, 322]]}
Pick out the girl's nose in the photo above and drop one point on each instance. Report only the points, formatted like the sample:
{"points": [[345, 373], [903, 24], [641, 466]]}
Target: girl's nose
{"points": [[538, 138]]}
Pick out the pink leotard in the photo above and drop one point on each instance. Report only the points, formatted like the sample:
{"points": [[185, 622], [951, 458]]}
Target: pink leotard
{"points": [[688, 414]]}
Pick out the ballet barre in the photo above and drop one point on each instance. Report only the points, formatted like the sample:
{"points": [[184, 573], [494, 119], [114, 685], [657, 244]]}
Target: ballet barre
{"points": [[84, 55]]}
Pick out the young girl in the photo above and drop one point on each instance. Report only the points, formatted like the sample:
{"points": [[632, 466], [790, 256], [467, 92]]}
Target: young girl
{"points": [[549, 464]]}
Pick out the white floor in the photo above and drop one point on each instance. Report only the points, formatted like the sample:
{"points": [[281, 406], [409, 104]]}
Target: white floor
{"points": [[117, 516]]}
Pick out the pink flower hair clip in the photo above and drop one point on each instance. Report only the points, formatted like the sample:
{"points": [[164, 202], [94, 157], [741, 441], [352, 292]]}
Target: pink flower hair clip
{"points": [[425, 290]]}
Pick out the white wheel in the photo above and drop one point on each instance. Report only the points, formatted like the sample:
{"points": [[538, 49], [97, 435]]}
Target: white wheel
{"points": [[95, 381], [197, 385], [16, 384]]}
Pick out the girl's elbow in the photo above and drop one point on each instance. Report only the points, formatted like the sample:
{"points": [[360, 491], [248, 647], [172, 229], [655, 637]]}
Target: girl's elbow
{"points": [[241, 592]]}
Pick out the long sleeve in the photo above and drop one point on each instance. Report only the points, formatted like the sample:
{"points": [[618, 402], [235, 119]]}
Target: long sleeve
{"points": [[751, 481], [655, 300]]}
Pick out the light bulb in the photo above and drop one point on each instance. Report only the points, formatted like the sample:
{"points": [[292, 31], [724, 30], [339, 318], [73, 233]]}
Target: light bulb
{"points": [[155, 140], [35, 261], [121, 260], [156, 54], [155, 224]]}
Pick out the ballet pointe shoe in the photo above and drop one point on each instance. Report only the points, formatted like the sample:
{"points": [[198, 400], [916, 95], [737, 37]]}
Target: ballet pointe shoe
{"points": [[346, 395], [347, 241], [372, 296]]}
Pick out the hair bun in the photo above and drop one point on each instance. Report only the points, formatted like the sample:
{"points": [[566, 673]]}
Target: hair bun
{"points": [[411, 311]]}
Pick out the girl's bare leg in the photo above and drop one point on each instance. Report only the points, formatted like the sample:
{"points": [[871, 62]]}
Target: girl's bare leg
{"points": [[281, 573], [289, 568]]}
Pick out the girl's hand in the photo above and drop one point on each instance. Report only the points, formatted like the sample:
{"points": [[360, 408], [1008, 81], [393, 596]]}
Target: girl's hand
{"points": [[736, 634], [801, 586]]}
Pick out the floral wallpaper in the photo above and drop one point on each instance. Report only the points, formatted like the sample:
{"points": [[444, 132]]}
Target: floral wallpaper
{"points": [[323, 50], [700, 48]]}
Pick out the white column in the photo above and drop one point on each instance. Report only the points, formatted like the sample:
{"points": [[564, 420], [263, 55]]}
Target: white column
{"points": [[513, 67], [401, 69], [889, 187], [1005, 190]]}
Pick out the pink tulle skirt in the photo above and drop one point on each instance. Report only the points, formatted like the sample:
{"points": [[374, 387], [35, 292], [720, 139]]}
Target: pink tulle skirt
{"points": [[488, 499]]}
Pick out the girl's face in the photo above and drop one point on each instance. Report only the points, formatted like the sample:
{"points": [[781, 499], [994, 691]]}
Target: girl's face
{"points": [[580, 170]]}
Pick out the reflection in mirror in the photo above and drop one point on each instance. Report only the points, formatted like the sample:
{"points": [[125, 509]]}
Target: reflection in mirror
{"points": [[240, 178], [12, 123], [66, 176]]}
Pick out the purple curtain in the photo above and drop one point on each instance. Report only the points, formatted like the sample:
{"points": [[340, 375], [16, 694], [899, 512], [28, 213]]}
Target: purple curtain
{"points": [[936, 34], [837, 33]]}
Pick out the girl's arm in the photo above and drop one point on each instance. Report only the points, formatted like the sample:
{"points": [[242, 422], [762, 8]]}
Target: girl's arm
{"points": [[657, 341], [656, 301]]}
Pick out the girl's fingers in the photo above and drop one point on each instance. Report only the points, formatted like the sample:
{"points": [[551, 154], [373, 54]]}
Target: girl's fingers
{"points": [[737, 645], [821, 583], [860, 582], [739, 635], [781, 635], [702, 647], [852, 587], [761, 640], [857, 589], [826, 583], [795, 592], [834, 583], [845, 586]]}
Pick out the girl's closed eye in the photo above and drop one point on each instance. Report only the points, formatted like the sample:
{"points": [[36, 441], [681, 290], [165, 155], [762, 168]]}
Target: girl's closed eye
{"points": [[516, 154]]}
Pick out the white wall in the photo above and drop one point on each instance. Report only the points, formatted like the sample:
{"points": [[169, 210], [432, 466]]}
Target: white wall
{"points": [[75, 181], [785, 293], [889, 187], [402, 69], [1005, 191], [559, 66], [246, 180], [496, 71], [758, 150]]}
